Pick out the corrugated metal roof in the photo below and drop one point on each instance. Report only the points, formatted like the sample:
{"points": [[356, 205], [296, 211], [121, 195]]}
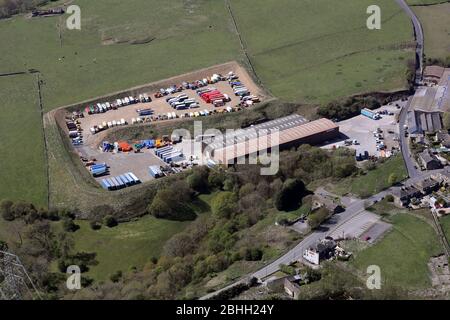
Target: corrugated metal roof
{"points": [[273, 139]]}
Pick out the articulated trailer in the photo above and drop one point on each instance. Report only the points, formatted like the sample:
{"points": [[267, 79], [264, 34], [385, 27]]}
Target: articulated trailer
{"points": [[370, 114]]}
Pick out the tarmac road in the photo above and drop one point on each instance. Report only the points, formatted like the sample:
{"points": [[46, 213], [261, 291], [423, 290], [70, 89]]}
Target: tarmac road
{"points": [[418, 31], [413, 172]]}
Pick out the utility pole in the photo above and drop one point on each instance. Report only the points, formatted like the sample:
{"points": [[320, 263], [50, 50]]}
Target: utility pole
{"points": [[15, 283]]}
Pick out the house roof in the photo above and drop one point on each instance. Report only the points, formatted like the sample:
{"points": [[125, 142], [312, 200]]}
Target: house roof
{"points": [[405, 192], [426, 183], [427, 157]]}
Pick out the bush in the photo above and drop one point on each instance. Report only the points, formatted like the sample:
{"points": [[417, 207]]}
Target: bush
{"points": [[110, 221], [216, 179], [198, 180], [5, 210], [116, 276], [223, 204], [167, 205], [392, 179], [246, 189], [3, 245], [316, 218], [389, 198], [95, 225], [290, 195], [69, 225], [350, 107], [290, 270], [254, 254]]}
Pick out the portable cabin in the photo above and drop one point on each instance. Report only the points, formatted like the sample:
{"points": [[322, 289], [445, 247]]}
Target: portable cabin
{"points": [[117, 184], [119, 102], [111, 184], [122, 183], [155, 172], [128, 181], [99, 172], [165, 153], [176, 156], [159, 151], [105, 184], [131, 181], [136, 180], [174, 115]]}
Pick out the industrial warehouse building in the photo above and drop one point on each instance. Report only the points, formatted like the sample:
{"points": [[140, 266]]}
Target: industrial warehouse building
{"points": [[420, 122], [429, 102], [284, 133]]}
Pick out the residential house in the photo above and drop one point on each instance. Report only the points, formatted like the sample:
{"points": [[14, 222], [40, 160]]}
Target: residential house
{"points": [[429, 161], [292, 286], [443, 177], [323, 250], [402, 196], [427, 186], [443, 138]]}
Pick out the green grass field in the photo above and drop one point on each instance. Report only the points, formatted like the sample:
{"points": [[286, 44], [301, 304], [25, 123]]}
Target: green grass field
{"points": [[436, 24], [317, 51], [403, 253], [445, 222], [374, 181], [127, 245], [22, 170]]}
